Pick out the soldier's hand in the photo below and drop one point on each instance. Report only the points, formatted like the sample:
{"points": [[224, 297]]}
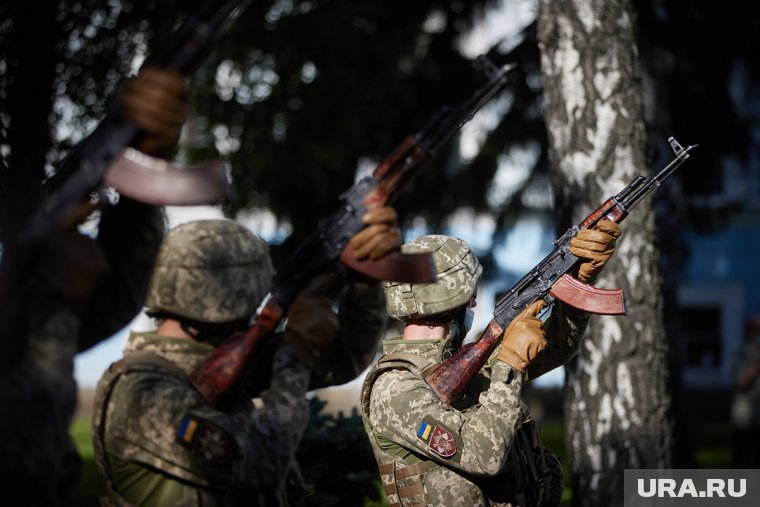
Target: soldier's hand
{"points": [[380, 236], [524, 338], [70, 266], [596, 246], [312, 324], [155, 101]]}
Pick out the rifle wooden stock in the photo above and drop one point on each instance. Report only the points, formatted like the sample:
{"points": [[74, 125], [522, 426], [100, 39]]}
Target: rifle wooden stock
{"points": [[222, 371], [449, 378], [549, 278]]}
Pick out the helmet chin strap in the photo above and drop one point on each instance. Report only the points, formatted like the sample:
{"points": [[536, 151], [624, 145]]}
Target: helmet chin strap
{"points": [[459, 325], [200, 336], [210, 333]]}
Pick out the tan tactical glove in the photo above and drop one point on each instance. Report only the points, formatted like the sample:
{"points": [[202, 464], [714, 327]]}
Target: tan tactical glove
{"points": [[597, 246], [524, 338], [380, 236], [312, 324], [70, 265], [155, 101]]}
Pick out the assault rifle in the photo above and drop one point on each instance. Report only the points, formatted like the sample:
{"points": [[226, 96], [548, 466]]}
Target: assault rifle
{"points": [[104, 157], [549, 280], [222, 371], [101, 156]]}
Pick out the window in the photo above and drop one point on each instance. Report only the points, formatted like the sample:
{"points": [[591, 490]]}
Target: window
{"points": [[711, 319]]}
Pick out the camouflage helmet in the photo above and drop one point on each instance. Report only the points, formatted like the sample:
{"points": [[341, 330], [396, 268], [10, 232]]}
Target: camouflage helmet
{"points": [[212, 271], [458, 275]]}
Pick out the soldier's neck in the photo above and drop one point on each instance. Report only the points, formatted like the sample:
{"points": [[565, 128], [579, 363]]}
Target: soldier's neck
{"points": [[425, 331], [172, 328]]}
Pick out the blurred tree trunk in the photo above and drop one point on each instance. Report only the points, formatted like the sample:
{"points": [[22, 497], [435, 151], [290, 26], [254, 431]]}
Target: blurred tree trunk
{"points": [[616, 401], [29, 60]]}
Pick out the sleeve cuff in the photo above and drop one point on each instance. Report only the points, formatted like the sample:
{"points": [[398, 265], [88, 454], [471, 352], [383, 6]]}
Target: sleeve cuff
{"points": [[502, 372]]}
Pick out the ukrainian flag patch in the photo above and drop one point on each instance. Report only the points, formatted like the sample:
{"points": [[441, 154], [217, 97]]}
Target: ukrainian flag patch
{"points": [[205, 440], [187, 430], [423, 432]]}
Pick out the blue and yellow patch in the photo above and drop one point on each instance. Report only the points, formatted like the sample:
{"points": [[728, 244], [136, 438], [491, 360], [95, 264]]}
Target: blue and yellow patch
{"points": [[187, 430], [423, 432], [440, 439], [205, 440]]}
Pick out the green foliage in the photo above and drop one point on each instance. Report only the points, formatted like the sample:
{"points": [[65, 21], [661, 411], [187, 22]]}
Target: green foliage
{"points": [[337, 460], [316, 87]]}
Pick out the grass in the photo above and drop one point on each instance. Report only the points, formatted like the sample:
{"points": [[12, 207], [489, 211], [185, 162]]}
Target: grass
{"points": [[712, 451], [713, 445], [85, 492]]}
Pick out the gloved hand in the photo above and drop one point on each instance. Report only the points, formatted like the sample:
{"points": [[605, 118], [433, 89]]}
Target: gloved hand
{"points": [[524, 338], [70, 265], [597, 246], [312, 324], [155, 101], [380, 236]]}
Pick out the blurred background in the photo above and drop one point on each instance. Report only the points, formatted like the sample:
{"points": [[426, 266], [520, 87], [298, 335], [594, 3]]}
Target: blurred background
{"points": [[303, 97]]}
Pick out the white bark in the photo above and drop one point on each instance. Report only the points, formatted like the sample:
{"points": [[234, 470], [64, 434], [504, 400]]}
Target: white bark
{"points": [[616, 403]]}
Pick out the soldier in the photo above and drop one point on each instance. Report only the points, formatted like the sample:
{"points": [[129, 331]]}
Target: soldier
{"points": [[157, 441], [80, 291], [485, 449]]}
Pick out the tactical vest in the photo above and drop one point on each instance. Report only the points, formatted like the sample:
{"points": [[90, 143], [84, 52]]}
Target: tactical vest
{"points": [[152, 363], [135, 362], [532, 475]]}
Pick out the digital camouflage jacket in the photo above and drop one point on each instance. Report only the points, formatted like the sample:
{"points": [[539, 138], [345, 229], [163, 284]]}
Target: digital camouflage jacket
{"points": [[157, 442], [434, 454]]}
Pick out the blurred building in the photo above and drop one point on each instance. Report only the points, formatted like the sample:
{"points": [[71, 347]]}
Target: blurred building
{"points": [[720, 285]]}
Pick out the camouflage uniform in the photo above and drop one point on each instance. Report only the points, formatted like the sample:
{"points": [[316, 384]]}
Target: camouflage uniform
{"points": [[158, 442], [38, 396], [483, 450]]}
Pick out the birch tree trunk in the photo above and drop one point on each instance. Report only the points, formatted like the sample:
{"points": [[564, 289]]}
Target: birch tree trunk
{"points": [[616, 401]]}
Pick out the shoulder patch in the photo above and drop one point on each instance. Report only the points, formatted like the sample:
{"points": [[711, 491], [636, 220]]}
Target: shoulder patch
{"points": [[207, 441], [440, 439]]}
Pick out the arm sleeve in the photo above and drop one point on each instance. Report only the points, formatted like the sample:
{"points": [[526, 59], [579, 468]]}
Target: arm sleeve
{"points": [[163, 424], [362, 319], [400, 401], [564, 332], [130, 234]]}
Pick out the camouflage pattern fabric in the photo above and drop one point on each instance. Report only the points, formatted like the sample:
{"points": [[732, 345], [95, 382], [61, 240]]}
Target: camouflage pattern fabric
{"points": [[38, 397], [397, 405], [37, 401], [362, 317], [404, 417], [211, 271], [163, 444], [458, 275]]}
